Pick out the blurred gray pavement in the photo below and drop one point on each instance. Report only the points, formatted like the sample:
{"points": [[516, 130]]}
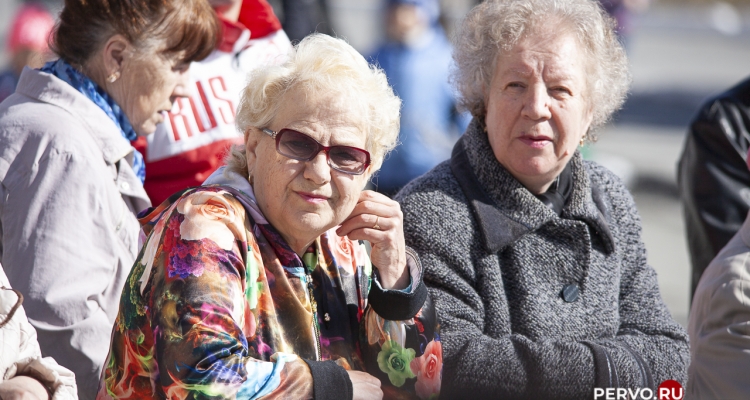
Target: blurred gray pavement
{"points": [[679, 57]]}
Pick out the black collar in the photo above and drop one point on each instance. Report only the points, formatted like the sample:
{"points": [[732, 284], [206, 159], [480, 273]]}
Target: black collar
{"points": [[559, 192], [499, 216]]}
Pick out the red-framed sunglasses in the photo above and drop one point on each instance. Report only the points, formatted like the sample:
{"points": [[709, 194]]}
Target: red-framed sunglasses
{"points": [[298, 146]]}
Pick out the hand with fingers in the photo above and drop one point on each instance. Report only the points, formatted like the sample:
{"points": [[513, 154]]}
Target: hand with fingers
{"points": [[365, 386], [379, 220]]}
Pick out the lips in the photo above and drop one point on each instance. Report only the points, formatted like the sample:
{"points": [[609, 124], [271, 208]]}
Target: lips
{"points": [[536, 142], [312, 197]]}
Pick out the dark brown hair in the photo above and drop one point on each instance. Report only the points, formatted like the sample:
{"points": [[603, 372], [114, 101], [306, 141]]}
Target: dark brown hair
{"points": [[174, 26]]}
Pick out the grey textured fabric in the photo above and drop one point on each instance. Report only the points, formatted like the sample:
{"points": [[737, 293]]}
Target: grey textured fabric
{"points": [[507, 332]]}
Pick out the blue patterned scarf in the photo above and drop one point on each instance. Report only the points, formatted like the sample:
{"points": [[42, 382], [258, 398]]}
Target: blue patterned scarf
{"points": [[83, 84]]}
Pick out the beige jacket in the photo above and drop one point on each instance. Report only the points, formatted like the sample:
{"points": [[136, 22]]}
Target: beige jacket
{"points": [[68, 198], [19, 350], [719, 325]]}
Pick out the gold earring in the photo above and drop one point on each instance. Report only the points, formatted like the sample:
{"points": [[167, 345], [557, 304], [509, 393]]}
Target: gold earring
{"points": [[113, 77], [583, 140]]}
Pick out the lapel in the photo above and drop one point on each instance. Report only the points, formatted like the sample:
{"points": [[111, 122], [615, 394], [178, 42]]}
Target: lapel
{"points": [[505, 210]]}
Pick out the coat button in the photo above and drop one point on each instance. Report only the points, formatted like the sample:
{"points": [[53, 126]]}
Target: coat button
{"points": [[570, 293], [125, 186]]}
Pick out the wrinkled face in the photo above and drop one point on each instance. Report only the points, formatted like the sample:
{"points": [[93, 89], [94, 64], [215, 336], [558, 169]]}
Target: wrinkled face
{"points": [[304, 199], [537, 111], [152, 83]]}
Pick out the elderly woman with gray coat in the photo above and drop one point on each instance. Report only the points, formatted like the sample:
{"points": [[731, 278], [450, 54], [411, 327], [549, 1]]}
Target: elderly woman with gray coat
{"points": [[535, 258]]}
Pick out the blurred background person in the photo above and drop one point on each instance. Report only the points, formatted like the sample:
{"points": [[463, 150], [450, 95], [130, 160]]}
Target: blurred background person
{"points": [[303, 17], [713, 177], [24, 374], [27, 44], [416, 59], [199, 129], [71, 186]]}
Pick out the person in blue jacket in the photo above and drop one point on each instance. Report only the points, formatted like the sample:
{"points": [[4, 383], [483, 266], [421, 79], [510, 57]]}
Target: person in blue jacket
{"points": [[416, 59]]}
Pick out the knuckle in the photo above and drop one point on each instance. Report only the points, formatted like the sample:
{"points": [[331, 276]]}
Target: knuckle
{"points": [[369, 195]]}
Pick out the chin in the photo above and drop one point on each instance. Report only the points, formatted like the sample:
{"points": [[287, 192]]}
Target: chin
{"points": [[315, 223], [145, 129], [535, 166]]}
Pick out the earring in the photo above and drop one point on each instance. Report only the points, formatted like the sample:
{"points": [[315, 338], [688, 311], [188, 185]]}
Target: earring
{"points": [[113, 77], [583, 140]]}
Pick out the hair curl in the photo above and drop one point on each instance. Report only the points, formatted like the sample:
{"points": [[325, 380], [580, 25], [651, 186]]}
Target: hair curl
{"points": [[322, 65], [495, 26]]}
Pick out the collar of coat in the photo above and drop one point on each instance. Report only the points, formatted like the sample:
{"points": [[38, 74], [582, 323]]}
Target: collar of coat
{"points": [[53, 90], [505, 210]]}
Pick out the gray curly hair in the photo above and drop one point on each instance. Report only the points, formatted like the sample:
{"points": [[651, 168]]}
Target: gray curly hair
{"points": [[322, 64], [495, 26]]}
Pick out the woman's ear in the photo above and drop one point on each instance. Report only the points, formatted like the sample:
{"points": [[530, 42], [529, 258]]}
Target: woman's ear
{"points": [[114, 53], [251, 147]]}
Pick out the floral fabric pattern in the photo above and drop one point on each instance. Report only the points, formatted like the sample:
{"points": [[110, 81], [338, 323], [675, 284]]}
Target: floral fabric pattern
{"points": [[218, 305]]}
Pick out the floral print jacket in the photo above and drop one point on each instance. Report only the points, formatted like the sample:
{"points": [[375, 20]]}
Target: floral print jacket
{"points": [[218, 306]]}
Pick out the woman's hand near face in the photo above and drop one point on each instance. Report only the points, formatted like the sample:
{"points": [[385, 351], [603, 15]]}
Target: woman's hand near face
{"points": [[379, 220], [365, 386]]}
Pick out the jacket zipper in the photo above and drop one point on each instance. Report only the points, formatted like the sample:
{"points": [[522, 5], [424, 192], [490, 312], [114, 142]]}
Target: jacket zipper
{"points": [[314, 306]]}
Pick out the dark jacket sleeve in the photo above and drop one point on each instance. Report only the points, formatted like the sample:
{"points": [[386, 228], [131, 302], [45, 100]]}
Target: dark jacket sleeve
{"points": [[399, 305], [713, 177]]}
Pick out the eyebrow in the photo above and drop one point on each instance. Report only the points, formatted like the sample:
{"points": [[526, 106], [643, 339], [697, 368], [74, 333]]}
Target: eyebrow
{"points": [[523, 72]]}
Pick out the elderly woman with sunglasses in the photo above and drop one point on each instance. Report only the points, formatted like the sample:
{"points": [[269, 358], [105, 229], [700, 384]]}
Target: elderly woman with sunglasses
{"points": [[257, 284]]}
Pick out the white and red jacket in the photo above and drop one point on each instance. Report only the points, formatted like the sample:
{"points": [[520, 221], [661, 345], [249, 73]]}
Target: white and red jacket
{"points": [[195, 135]]}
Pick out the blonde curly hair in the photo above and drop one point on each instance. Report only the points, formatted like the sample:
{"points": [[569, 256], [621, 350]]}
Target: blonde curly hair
{"points": [[495, 26], [322, 64]]}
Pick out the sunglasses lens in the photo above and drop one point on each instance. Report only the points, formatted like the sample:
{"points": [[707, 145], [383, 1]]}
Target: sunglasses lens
{"points": [[348, 159], [299, 146], [296, 145]]}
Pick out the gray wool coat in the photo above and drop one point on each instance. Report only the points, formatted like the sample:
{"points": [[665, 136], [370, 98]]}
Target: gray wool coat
{"points": [[496, 261]]}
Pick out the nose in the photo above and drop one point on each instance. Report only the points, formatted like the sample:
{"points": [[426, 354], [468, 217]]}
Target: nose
{"points": [[317, 169], [537, 103]]}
